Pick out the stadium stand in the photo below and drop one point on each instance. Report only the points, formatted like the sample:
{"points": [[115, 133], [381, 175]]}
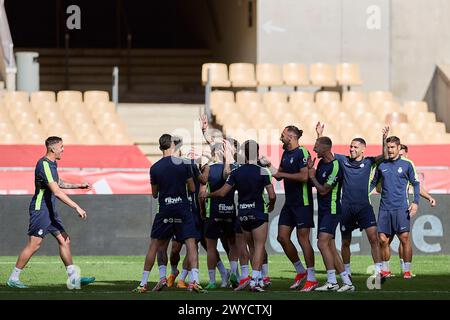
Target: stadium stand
{"points": [[347, 114], [29, 119]]}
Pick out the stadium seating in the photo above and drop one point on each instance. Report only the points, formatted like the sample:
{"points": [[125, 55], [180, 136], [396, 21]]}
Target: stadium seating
{"points": [[347, 74], [295, 75], [29, 119], [268, 75], [218, 73], [242, 75], [322, 75]]}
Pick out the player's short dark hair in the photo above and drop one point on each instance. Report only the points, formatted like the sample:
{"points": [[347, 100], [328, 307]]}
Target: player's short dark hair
{"points": [[52, 140], [393, 139], [234, 143], [165, 142], [404, 147], [325, 141], [293, 129], [251, 150], [360, 140]]}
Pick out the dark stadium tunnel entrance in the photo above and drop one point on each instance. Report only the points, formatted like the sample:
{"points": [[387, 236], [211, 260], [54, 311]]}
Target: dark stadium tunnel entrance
{"points": [[108, 24]]}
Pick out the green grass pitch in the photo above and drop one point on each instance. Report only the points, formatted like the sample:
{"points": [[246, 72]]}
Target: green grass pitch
{"points": [[117, 276]]}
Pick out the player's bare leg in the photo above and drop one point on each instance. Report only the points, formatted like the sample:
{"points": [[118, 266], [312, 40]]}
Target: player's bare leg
{"points": [[211, 261], [405, 242], [284, 238], [192, 256], [64, 248], [372, 236], [32, 246], [346, 241], [303, 235], [174, 260], [385, 253], [259, 237]]}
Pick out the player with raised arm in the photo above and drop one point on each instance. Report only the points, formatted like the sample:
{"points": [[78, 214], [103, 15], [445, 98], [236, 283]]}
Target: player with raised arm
{"points": [[171, 180], [396, 174], [44, 218], [327, 179], [298, 209], [250, 180], [357, 210]]}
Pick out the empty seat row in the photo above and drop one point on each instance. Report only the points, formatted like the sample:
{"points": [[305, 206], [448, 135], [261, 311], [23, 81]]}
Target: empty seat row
{"points": [[290, 74]]}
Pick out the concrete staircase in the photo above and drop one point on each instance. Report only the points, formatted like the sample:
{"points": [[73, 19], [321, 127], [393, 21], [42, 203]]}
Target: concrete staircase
{"points": [[146, 75], [147, 122]]}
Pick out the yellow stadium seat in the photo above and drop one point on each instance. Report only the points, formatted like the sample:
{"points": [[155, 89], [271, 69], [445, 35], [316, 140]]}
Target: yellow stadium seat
{"points": [[69, 96], [40, 97], [93, 96], [242, 75], [376, 97], [245, 96], [16, 96], [219, 96], [10, 138], [297, 97], [351, 97], [295, 75], [322, 75], [274, 97], [268, 75], [348, 74], [395, 118], [218, 74], [323, 97], [412, 107]]}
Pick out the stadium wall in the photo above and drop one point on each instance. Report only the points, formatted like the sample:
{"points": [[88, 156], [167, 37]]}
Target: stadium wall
{"points": [[120, 225]]}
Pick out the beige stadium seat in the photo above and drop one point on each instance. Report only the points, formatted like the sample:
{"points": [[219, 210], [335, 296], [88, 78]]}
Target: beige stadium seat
{"points": [[376, 97], [33, 136], [67, 96], [41, 97], [298, 97], [225, 109], [422, 119], [218, 74], [395, 118], [322, 75], [93, 96], [233, 117], [287, 119], [268, 75], [23, 118], [357, 108], [331, 109], [120, 139], [367, 119], [10, 138], [412, 107], [12, 96], [323, 97], [98, 108], [91, 139], [77, 115], [348, 74], [351, 97], [384, 108], [295, 75], [6, 127], [401, 129], [412, 138], [252, 108], [242, 75], [219, 96], [373, 133], [305, 108], [278, 107], [18, 106], [245, 96], [272, 97]]}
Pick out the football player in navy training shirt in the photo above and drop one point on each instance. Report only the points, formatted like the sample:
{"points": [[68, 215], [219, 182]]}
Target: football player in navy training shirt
{"points": [[43, 216], [298, 210], [394, 218], [250, 180], [171, 182], [357, 210], [327, 179]]}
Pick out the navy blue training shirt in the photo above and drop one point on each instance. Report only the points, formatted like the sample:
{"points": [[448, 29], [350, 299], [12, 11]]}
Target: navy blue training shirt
{"points": [[358, 176], [250, 181], [296, 193], [329, 173], [216, 181], [396, 176], [171, 174], [46, 171]]}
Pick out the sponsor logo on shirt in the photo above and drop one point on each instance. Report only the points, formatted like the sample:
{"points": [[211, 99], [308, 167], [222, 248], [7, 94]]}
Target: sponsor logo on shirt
{"points": [[244, 206], [324, 175], [172, 220], [292, 160], [224, 207], [361, 165], [40, 232], [170, 200], [400, 170]]}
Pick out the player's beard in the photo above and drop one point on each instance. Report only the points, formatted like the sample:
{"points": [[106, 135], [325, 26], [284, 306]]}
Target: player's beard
{"points": [[285, 145]]}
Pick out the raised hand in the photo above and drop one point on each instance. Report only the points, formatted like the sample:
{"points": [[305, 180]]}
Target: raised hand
{"points": [[319, 129], [203, 122], [385, 132]]}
